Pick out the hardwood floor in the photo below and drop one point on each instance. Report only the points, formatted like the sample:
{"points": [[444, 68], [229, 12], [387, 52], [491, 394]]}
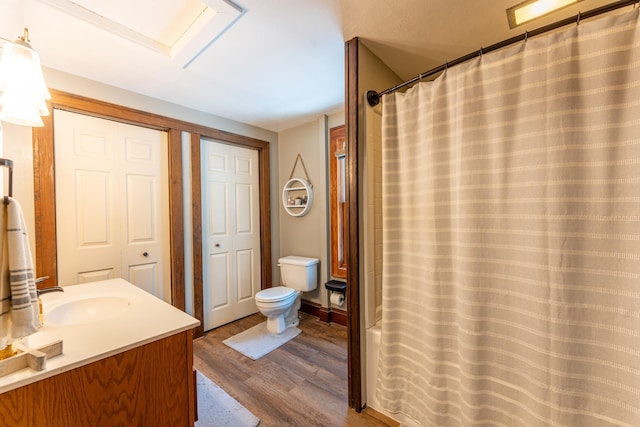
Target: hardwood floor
{"points": [[302, 383]]}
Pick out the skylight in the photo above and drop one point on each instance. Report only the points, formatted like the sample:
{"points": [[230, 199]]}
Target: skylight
{"points": [[179, 29]]}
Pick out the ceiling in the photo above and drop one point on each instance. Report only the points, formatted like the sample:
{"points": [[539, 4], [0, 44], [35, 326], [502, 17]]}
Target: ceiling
{"points": [[414, 36], [272, 64]]}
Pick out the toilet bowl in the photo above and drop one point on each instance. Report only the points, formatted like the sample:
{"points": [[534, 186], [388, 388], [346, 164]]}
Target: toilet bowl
{"points": [[280, 304]]}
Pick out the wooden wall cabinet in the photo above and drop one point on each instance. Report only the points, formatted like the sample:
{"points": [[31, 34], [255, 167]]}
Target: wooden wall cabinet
{"points": [[150, 385]]}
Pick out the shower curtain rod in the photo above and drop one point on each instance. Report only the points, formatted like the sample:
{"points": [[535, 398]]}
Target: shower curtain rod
{"points": [[373, 97]]}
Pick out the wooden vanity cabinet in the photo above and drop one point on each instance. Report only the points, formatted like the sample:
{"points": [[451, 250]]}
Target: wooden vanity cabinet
{"points": [[149, 385]]}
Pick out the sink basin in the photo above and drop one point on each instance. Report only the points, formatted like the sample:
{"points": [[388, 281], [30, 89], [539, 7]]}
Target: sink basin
{"points": [[87, 310]]}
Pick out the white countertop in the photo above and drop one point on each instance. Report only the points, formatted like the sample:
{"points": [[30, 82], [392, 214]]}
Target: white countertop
{"points": [[146, 319]]}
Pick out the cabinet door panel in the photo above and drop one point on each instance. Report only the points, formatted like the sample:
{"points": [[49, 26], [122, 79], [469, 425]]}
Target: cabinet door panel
{"points": [[156, 379]]}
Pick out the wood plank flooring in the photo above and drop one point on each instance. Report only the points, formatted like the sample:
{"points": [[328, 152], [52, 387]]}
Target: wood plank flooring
{"points": [[302, 383]]}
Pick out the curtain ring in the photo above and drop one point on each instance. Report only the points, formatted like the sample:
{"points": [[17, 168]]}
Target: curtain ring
{"points": [[578, 18], [482, 49]]}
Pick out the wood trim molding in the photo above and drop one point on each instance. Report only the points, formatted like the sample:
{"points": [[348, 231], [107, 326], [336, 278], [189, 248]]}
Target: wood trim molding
{"points": [[315, 309], [196, 215], [338, 316], [196, 197], [44, 182], [44, 202], [265, 215], [176, 206], [354, 355], [388, 421], [324, 314], [44, 189]]}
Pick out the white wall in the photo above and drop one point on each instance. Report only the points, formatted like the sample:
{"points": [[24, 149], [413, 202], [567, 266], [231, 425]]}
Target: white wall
{"points": [[308, 235], [373, 74]]}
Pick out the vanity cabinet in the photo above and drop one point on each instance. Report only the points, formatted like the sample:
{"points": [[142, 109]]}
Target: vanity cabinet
{"points": [[149, 385]]}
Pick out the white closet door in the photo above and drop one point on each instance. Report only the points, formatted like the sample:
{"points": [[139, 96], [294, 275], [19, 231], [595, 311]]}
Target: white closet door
{"points": [[231, 232], [111, 202]]}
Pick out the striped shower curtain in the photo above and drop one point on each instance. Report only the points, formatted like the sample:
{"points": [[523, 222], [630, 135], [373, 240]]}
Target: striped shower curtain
{"points": [[511, 236]]}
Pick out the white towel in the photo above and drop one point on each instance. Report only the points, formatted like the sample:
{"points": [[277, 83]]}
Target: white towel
{"points": [[21, 280]]}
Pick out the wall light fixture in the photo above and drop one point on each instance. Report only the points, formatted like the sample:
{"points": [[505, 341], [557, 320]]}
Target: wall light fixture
{"points": [[24, 91], [532, 9]]}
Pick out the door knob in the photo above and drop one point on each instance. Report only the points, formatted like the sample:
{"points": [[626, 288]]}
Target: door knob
{"points": [[217, 245], [145, 254]]}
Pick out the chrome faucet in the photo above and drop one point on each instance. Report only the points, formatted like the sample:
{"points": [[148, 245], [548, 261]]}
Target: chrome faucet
{"points": [[41, 279], [51, 289], [47, 290]]}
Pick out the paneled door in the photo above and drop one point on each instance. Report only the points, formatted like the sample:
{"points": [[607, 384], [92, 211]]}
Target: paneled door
{"points": [[111, 202], [231, 232]]}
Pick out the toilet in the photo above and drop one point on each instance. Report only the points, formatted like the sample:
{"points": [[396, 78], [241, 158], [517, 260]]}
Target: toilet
{"points": [[281, 303]]}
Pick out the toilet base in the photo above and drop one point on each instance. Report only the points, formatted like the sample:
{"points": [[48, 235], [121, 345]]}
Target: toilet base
{"points": [[277, 324]]}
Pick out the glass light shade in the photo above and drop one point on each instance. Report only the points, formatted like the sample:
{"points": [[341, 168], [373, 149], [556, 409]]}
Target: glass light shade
{"points": [[24, 92], [532, 9]]}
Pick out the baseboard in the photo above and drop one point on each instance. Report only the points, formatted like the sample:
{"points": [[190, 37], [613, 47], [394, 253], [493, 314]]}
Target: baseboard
{"points": [[315, 309], [381, 417], [338, 316], [324, 314]]}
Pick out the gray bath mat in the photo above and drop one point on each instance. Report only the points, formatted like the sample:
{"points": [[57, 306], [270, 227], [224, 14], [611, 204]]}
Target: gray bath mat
{"points": [[255, 342], [217, 408]]}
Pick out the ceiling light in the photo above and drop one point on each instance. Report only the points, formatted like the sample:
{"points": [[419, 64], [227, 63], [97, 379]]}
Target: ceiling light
{"points": [[24, 92], [532, 9]]}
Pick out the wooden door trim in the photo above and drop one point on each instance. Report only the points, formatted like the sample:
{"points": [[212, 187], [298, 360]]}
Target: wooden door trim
{"points": [[44, 186], [196, 198], [354, 350], [176, 220], [44, 183], [265, 212]]}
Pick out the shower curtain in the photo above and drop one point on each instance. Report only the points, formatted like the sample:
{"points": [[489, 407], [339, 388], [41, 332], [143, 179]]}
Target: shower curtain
{"points": [[511, 236]]}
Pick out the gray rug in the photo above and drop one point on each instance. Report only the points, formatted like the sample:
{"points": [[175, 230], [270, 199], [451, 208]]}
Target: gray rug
{"points": [[217, 408], [255, 342]]}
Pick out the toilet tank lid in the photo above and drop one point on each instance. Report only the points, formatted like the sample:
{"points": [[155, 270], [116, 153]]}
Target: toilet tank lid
{"points": [[298, 260]]}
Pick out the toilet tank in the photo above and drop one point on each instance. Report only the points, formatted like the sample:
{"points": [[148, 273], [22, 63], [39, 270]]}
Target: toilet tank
{"points": [[299, 273]]}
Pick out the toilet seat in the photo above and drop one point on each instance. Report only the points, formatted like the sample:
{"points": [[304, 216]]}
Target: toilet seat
{"points": [[277, 294]]}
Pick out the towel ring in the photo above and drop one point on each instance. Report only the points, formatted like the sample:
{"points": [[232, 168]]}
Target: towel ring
{"points": [[8, 164]]}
